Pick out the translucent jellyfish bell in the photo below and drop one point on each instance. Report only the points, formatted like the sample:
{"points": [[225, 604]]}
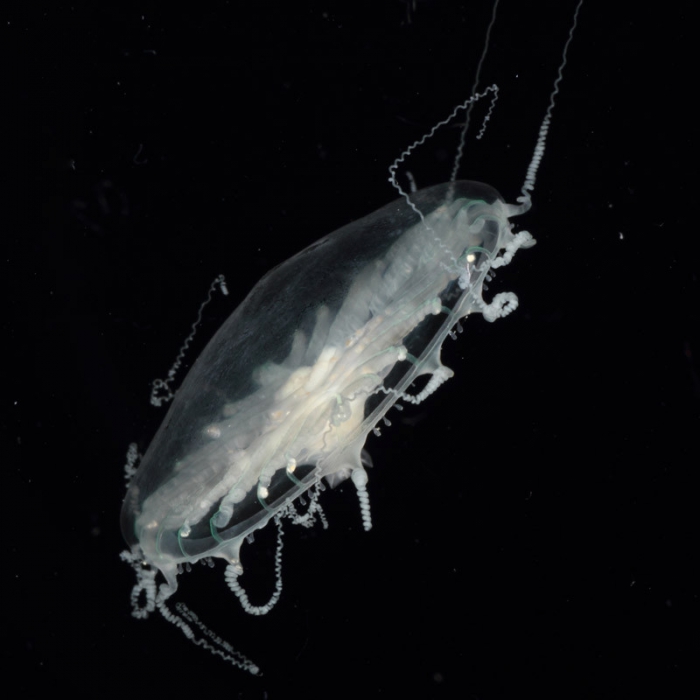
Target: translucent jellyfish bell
{"points": [[287, 391]]}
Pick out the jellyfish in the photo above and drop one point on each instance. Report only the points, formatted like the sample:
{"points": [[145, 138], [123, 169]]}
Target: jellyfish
{"points": [[284, 396]]}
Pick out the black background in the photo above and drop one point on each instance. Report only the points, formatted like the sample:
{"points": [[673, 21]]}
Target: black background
{"points": [[535, 521]]}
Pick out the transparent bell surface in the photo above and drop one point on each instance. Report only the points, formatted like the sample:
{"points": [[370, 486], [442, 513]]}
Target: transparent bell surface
{"points": [[289, 387]]}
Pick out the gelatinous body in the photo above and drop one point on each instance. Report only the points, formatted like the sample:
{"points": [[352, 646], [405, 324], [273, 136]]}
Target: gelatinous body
{"points": [[286, 392], [288, 389]]}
